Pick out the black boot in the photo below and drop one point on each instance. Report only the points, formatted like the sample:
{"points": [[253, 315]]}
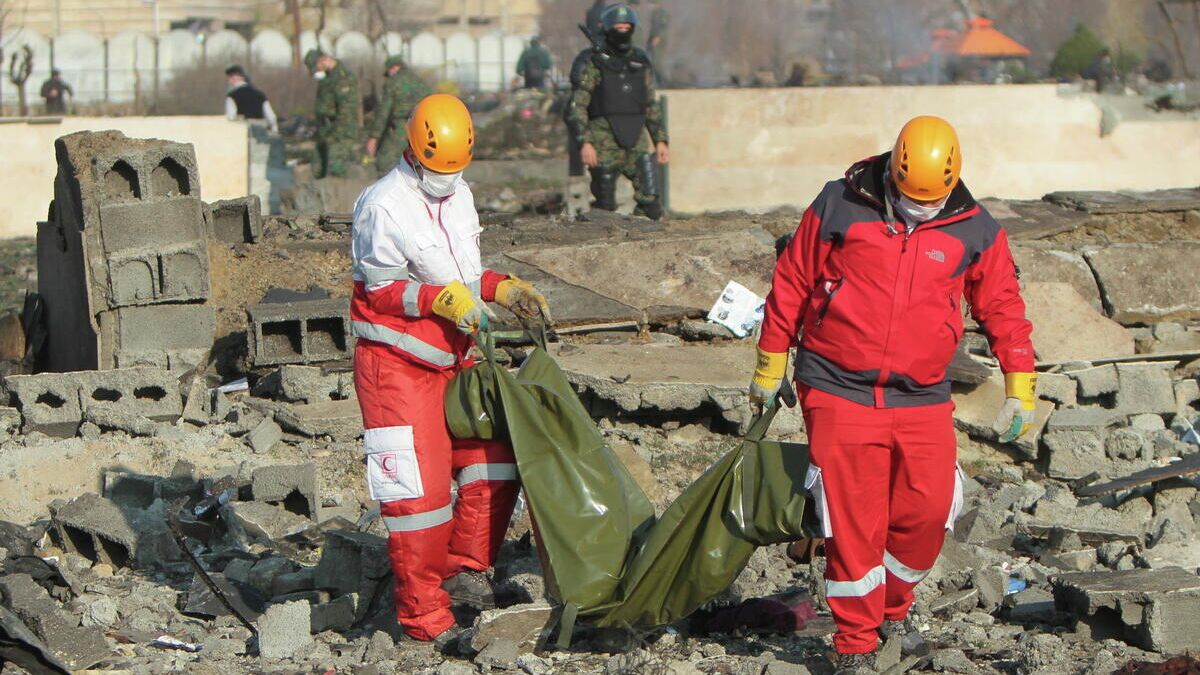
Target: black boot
{"points": [[855, 664], [471, 588], [604, 188], [911, 641]]}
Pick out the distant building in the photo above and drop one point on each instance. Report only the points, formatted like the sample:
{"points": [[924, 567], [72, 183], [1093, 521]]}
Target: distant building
{"points": [[108, 18]]}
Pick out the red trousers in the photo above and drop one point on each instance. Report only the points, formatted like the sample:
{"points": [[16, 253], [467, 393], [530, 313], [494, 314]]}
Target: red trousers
{"points": [[889, 483], [411, 460]]}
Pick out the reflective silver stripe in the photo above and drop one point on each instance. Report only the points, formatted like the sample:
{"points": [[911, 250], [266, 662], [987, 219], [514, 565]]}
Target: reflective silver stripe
{"points": [[856, 589], [378, 275], [901, 571], [415, 346], [412, 292], [475, 472], [419, 521]]}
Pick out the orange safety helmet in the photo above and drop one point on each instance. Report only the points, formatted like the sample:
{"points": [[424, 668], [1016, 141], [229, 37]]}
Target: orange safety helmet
{"points": [[927, 159], [441, 134]]}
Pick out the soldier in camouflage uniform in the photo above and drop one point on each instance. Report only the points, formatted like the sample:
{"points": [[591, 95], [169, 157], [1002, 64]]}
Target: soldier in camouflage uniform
{"points": [[613, 99], [336, 110], [402, 91]]}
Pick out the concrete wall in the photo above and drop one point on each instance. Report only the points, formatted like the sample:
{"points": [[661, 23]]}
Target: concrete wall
{"points": [[760, 148], [221, 146]]}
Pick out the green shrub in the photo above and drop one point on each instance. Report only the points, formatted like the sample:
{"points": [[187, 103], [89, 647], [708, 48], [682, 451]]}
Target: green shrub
{"points": [[1076, 53]]}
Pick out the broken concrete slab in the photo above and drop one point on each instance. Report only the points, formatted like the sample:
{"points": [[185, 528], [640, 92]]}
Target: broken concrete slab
{"points": [[1147, 283], [1032, 219], [355, 562], [78, 646], [338, 420], [690, 271], [266, 522], [291, 486], [264, 436], [975, 410], [1066, 327], [527, 626], [1041, 265], [1092, 523], [284, 630], [306, 331], [1154, 609], [114, 418], [1127, 201], [305, 384], [683, 378], [573, 305], [1145, 388]]}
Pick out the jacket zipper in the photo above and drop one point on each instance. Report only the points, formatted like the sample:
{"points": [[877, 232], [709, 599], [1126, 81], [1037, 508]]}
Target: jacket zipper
{"points": [[446, 234], [949, 324], [884, 370], [829, 301]]}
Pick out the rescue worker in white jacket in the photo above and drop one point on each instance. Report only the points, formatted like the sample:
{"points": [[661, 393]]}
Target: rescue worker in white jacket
{"points": [[419, 292]]}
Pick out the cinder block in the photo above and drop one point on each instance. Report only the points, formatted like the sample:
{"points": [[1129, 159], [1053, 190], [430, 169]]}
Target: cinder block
{"points": [[164, 336], [152, 225], [49, 402], [308, 331], [1096, 381], [54, 403], [1145, 388], [236, 221], [97, 529], [292, 486], [150, 392]]}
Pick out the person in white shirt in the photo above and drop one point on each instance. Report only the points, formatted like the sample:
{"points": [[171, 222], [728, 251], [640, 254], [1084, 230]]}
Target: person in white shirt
{"points": [[419, 293], [244, 100]]}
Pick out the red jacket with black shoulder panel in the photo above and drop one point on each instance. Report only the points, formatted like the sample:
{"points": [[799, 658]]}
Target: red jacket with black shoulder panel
{"points": [[877, 309]]}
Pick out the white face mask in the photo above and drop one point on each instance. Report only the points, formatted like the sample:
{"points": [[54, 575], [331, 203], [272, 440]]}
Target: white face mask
{"points": [[439, 185], [919, 213], [319, 75]]}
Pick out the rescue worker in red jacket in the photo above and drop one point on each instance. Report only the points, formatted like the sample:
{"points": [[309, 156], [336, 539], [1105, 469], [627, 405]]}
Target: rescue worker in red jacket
{"points": [[419, 293], [872, 284]]}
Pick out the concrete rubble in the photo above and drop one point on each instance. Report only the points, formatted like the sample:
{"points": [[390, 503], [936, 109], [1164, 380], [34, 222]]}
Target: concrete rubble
{"points": [[135, 431]]}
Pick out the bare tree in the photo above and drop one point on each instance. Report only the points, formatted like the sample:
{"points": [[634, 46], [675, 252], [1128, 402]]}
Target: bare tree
{"points": [[19, 69]]}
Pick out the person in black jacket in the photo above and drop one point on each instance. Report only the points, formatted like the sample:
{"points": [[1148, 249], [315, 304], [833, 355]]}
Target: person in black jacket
{"points": [[244, 100]]}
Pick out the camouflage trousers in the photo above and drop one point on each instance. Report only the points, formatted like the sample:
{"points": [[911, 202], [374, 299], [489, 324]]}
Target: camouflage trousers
{"points": [[391, 149], [638, 165], [334, 158]]}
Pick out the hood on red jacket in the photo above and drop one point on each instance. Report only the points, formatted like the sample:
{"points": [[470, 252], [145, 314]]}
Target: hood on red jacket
{"points": [[869, 180]]}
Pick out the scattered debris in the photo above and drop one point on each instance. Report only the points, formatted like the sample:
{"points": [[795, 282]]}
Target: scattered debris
{"points": [[232, 524]]}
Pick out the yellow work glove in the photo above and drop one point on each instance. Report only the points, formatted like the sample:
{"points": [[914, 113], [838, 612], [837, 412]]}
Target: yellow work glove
{"points": [[768, 376], [456, 304], [521, 298], [1016, 416]]}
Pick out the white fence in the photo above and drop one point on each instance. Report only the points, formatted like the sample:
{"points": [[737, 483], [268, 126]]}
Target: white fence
{"points": [[116, 69]]}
